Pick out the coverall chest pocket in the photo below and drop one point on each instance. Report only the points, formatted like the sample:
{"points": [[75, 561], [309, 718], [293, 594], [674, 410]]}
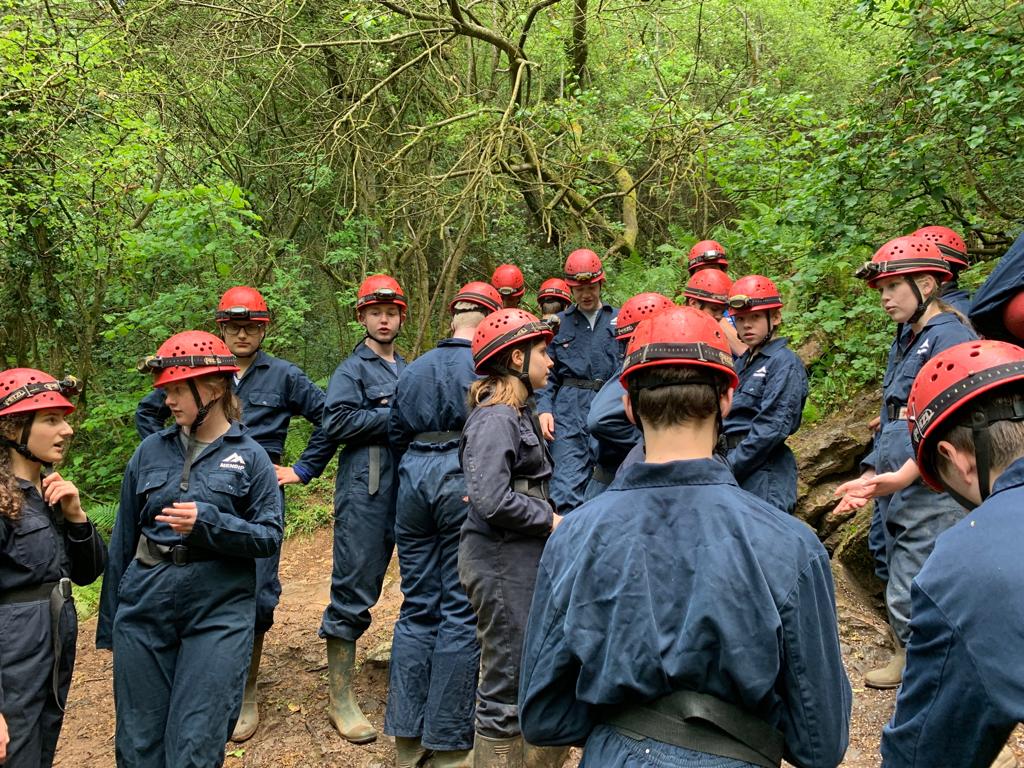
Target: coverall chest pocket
{"points": [[563, 340], [380, 395], [751, 391], [898, 387], [229, 488], [529, 451], [35, 541], [148, 486], [265, 399]]}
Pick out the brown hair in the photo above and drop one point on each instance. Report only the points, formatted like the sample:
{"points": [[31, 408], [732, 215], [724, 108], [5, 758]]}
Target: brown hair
{"points": [[498, 388], [11, 496], [1006, 437], [673, 397], [228, 400]]}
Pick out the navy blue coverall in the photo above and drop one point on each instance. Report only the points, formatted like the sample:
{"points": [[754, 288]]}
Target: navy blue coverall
{"points": [[182, 634], [38, 548], [434, 652], [963, 688], [356, 413], [911, 519], [507, 466], [271, 392], [766, 409], [1005, 282], [613, 432], [676, 579], [584, 359], [956, 297]]}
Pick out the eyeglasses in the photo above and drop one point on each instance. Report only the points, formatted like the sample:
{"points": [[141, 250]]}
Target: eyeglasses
{"points": [[235, 329]]}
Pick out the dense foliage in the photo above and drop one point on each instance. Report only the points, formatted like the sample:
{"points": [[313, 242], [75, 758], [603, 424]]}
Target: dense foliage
{"points": [[154, 152]]}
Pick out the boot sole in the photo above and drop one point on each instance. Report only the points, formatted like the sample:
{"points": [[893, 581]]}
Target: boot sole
{"points": [[355, 739], [883, 686]]}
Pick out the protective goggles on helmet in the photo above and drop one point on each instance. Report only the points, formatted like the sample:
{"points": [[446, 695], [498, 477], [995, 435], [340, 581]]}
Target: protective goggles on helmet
{"points": [[156, 363], [740, 302], [68, 386], [872, 270], [240, 313]]}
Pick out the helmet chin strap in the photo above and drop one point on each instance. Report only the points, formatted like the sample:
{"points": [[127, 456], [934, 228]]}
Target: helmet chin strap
{"points": [[922, 302], [768, 336], [22, 446], [190, 438], [524, 374]]}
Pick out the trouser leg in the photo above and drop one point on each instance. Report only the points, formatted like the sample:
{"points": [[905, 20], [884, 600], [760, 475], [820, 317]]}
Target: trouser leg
{"points": [[499, 578]]}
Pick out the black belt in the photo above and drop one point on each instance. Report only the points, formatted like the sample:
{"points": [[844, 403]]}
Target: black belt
{"points": [[896, 411], [150, 553], [594, 384], [436, 438], [538, 489], [731, 441], [57, 593], [602, 475], [703, 723]]}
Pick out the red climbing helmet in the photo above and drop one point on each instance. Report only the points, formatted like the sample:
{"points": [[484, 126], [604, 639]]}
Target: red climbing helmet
{"points": [[908, 255], [950, 382], [508, 280], [504, 329], [706, 253], [380, 289], [242, 303], [189, 355], [952, 246], [23, 390], [554, 288], [709, 285], [477, 292], [640, 307], [753, 293], [681, 336], [583, 267]]}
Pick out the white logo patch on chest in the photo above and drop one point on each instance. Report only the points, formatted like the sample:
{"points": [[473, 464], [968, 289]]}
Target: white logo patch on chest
{"points": [[234, 461], [923, 349], [761, 372]]}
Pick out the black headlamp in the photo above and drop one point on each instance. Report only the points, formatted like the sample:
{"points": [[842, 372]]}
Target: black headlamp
{"points": [[69, 386]]}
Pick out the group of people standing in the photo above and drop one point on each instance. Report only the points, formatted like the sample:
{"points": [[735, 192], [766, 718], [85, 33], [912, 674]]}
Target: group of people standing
{"points": [[592, 514]]}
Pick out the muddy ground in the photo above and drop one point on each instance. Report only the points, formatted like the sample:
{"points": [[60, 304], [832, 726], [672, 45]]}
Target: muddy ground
{"points": [[294, 730]]}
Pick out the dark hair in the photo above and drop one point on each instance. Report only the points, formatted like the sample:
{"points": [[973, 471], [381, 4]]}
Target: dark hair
{"points": [[11, 496], [498, 388], [1006, 437], [676, 395]]}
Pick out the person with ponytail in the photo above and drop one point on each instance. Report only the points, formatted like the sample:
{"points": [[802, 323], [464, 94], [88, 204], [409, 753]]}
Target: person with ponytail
{"points": [[46, 543], [199, 505], [507, 468], [908, 274], [770, 398]]}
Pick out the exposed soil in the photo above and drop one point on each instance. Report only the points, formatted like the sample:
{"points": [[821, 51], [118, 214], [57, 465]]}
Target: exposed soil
{"points": [[293, 686]]}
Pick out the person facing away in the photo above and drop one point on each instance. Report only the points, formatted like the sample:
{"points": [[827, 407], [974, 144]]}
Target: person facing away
{"points": [[46, 543], [271, 392], [585, 356], [434, 652], [677, 617], [199, 505], [356, 412]]}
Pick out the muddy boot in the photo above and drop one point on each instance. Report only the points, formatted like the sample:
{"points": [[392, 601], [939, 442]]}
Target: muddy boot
{"points": [[460, 758], [497, 753], [409, 753], [891, 674], [544, 757], [343, 710], [249, 717], [1005, 759]]}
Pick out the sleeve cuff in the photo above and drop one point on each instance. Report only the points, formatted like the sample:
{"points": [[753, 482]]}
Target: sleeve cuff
{"points": [[304, 474], [79, 532]]}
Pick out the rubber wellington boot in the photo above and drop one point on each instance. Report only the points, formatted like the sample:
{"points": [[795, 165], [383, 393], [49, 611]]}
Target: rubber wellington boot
{"points": [[249, 717], [891, 674], [343, 710], [544, 757], [1005, 759], [497, 753], [459, 758], [409, 753]]}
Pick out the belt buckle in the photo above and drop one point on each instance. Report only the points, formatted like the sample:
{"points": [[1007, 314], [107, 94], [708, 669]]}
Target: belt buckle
{"points": [[179, 554], [64, 588]]}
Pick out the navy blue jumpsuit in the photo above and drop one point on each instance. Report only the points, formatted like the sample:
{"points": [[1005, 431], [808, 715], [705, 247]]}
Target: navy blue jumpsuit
{"points": [[506, 465], [912, 518], [38, 548], [271, 392], [956, 297], [676, 579], [182, 633], [584, 359], [1004, 282], [766, 409], [356, 413], [613, 432], [963, 688], [434, 653]]}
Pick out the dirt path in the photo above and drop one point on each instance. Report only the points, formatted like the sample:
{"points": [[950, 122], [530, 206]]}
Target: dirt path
{"points": [[293, 687]]}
